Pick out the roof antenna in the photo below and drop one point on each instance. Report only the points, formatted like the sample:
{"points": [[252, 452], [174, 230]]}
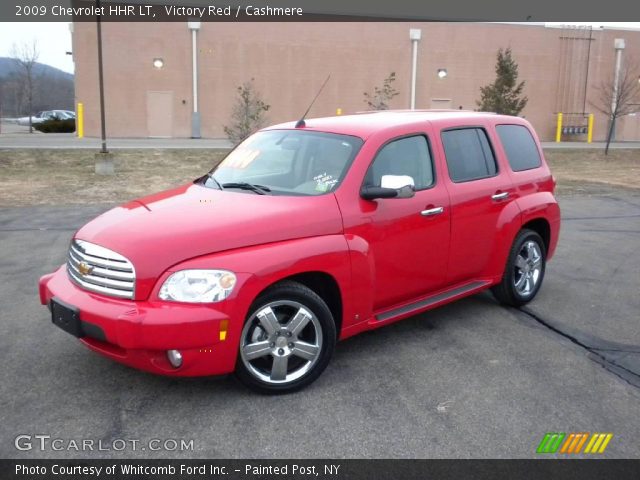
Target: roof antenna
{"points": [[300, 123]]}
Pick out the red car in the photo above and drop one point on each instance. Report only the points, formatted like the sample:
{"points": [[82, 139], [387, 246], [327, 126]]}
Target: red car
{"points": [[310, 233]]}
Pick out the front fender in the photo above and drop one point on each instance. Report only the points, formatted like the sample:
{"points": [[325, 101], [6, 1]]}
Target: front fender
{"points": [[258, 267]]}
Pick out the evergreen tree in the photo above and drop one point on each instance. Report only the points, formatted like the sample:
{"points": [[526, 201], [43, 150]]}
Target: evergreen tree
{"points": [[504, 95]]}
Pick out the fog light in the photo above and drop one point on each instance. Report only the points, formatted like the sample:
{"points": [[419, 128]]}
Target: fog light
{"points": [[175, 358]]}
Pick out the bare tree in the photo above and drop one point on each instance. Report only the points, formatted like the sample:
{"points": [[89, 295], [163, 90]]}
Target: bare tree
{"points": [[381, 96], [616, 100], [26, 56], [248, 113]]}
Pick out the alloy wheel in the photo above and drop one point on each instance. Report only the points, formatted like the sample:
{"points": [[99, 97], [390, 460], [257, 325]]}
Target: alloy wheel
{"points": [[527, 268], [281, 342]]}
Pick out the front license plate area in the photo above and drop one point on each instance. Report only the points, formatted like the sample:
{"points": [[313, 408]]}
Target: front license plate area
{"points": [[67, 317]]}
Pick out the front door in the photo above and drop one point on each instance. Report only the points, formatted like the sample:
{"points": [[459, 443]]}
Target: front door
{"points": [[407, 238]]}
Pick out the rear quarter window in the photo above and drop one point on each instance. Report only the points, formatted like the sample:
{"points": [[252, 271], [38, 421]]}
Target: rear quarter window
{"points": [[522, 152]]}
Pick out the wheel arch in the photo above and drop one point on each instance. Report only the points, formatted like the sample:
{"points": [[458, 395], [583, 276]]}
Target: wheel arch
{"points": [[322, 284], [542, 227]]}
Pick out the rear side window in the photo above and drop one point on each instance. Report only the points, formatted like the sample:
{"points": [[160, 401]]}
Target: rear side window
{"points": [[469, 155], [519, 146]]}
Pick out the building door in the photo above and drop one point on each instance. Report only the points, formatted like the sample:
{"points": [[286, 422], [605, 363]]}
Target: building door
{"points": [[630, 131], [160, 114]]}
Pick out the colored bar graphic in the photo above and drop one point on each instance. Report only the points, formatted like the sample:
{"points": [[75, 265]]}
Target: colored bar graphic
{"points": [[543, 443], [573, 442], [568, 442], [605, 442], [550, 443], [591, 442], [581, 442]]}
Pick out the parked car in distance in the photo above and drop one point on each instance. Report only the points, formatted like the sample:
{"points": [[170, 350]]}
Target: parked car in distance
{"points": [[308, 233], [47, 115]]}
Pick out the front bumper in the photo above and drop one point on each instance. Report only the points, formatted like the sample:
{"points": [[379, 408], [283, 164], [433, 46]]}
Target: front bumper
{"points": [[139, 333]]}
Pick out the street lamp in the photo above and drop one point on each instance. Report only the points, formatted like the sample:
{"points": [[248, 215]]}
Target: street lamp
{"points": [[442, 73], [194, 26], [158, 63]]}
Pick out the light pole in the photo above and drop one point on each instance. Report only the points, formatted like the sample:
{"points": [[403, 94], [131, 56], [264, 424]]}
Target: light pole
{"points": [[103, 127], [194, 26], [414, 34], [619, 45]]}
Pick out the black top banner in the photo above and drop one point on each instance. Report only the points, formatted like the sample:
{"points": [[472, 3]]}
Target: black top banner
{"points": [[569, 11], [320, 469]]}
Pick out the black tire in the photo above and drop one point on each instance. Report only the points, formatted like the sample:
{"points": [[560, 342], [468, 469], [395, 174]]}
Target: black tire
{"points": [[319, 332], [506, 292]]}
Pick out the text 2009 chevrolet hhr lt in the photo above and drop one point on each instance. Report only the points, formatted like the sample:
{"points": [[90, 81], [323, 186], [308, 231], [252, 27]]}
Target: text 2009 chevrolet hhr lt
{"points": [[309, 233]]}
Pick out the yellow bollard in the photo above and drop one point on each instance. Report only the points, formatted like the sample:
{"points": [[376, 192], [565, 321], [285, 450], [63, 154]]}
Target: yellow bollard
{"points": [[559, 128], [80, 120], [338, 111], [590, 129]]}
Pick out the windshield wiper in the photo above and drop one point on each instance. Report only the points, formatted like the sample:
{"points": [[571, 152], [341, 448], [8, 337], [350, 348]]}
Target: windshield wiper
{"points": [[210, 175], [259, 189]]}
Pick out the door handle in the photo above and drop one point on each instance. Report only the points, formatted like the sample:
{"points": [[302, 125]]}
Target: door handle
{"points": [[432, 211], [499, 196]]}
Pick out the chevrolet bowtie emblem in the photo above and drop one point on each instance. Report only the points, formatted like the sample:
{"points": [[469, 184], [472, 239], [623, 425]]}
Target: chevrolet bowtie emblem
{"points": [[84, 268]]}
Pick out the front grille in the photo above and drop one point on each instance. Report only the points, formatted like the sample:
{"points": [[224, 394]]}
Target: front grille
{"points": [[100, 270]]}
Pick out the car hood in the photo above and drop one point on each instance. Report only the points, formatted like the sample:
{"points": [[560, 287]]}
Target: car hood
{"points": [[161, 230]]}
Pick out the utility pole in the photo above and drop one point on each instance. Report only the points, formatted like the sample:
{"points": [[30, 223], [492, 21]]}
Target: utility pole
{"points": [[101, 81], [619, 46]]}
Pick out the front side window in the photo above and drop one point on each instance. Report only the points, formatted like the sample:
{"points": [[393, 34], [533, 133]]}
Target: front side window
{"points": [[407, 156], [469, 155], [519, 146], [287, 162]]}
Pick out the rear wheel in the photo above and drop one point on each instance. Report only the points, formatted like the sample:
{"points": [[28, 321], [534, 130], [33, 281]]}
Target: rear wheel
{"points": [[287, 340], [524, 271]]}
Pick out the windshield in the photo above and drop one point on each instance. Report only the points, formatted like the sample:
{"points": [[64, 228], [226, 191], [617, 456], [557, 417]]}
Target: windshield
{"points": [[286, 162]]}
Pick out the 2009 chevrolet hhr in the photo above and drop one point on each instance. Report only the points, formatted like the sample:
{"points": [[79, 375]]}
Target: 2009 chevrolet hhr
{"points": [[307, 233]]}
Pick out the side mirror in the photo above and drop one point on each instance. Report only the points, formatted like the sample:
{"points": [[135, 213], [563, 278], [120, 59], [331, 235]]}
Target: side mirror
{"points": [[392, 186], [396, 181], [371, 193]]}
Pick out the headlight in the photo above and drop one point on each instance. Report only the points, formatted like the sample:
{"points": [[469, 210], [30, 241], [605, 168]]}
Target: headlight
{"points": [[198, 286]]}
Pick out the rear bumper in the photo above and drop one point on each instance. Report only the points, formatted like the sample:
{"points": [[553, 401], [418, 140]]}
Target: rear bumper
{"points": [[138, 334]]}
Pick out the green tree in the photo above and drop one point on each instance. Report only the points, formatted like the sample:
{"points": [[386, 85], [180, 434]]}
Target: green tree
{"points": [[503, 96], [248, 113], [380, 98]]}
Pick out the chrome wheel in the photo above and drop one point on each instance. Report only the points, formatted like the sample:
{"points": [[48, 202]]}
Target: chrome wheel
{"points": [[527, 268], [281, 342]]}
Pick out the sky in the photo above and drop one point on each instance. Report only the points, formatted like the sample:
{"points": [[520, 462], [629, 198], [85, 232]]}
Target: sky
{"points": [[54, 39]]}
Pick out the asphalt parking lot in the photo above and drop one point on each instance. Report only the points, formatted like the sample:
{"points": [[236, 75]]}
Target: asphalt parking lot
{"points": [[471, 379]]}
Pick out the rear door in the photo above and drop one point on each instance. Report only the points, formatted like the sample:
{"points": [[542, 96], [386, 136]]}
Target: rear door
{"points": [[479, 192]]}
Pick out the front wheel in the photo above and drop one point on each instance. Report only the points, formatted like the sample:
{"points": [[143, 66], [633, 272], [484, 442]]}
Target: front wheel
{"points": [[287, 340], [524, 271]]}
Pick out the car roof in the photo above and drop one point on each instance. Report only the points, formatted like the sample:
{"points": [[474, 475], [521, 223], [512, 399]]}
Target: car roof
{"points": [[364, 124]]}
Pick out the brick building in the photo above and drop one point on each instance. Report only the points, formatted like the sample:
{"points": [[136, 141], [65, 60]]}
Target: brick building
{"points": [[289, 61]]}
